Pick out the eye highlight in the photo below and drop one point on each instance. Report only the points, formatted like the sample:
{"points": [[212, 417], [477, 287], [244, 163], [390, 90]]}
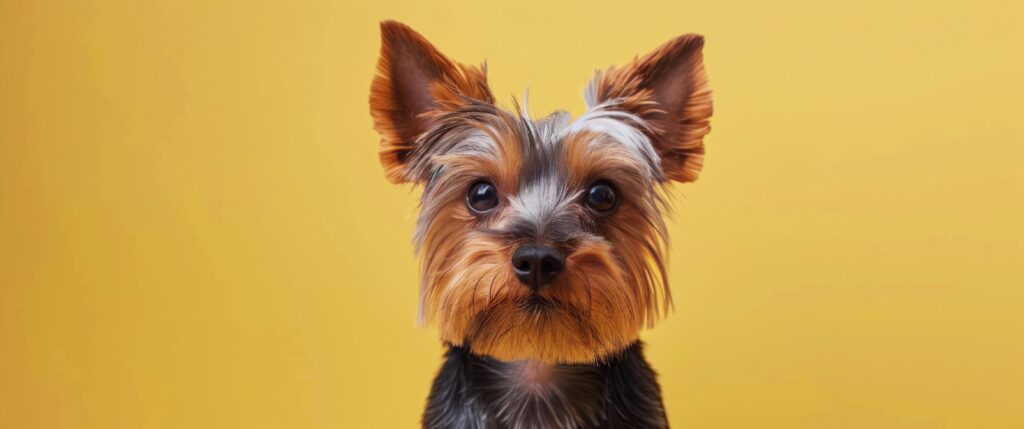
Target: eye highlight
{"points": [[482, 197], [601, 196]]}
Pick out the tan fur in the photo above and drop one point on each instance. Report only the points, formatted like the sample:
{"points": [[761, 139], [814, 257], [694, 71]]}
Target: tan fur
{"points": [[601, 302]]}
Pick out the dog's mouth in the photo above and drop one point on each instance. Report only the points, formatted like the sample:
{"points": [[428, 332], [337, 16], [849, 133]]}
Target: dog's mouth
{"points": [[535, 303]]}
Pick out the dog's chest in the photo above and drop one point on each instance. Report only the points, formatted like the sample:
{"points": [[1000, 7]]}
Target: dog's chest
{"points": [[477, 392], [529, 394]]}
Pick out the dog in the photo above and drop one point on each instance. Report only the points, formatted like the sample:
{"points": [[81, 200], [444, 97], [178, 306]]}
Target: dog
{"points": [[542, 240]]}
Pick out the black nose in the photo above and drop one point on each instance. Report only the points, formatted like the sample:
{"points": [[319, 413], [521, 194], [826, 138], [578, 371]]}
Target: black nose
{"points": [[537, 266]]}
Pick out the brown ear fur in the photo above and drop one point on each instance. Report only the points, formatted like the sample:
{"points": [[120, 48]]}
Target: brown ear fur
{"points": [[414, 83], [669, 89]]}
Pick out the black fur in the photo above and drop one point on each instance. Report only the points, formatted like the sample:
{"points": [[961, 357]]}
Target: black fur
{"points": [[478, 392]]}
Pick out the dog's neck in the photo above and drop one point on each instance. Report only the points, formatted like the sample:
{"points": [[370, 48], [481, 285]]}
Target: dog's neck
{"points": [[478, 391]]}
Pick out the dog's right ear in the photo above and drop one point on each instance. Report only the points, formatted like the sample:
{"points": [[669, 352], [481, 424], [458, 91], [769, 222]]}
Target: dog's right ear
{"points": [[415, 83]]}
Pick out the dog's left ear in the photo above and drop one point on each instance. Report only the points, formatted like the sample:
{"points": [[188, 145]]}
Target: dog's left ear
{"points": [[415, 83], [668, 89]]}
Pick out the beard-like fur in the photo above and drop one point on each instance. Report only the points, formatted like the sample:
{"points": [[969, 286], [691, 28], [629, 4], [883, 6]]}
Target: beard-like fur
{"points": [[587, 313]]}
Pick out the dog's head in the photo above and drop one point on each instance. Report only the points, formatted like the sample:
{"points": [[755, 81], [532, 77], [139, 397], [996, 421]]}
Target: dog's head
{"points": [[541, 239]]}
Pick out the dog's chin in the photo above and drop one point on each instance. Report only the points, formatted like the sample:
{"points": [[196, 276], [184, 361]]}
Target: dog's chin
{"points": [[543, 329]]}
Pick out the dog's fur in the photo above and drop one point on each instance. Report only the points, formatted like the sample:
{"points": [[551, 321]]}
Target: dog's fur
{"points": [[562, 353]]}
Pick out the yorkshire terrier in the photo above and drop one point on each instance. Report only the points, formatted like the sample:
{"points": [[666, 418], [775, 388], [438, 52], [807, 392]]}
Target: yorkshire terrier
{"points": [[543, 241]]}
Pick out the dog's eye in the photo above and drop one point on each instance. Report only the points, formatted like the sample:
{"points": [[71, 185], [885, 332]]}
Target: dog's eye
{"points": [[601, 196], [483, 196]]}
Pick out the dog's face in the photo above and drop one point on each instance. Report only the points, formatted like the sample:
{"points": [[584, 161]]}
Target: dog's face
{"points": [[542, 239]]}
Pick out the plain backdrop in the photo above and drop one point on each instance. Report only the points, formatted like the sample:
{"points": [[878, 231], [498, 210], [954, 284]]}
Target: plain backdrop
{"points": [[195, 231]]}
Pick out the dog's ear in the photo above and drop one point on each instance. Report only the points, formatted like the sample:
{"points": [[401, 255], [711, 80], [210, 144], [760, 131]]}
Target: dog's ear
{"points": [[415, 83], [668, 89]]}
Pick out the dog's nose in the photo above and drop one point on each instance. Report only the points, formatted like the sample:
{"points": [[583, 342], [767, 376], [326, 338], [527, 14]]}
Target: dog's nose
{"points": [[537, 266]]}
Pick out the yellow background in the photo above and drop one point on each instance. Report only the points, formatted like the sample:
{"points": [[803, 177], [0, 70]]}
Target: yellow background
{"points": [[196, 233]]}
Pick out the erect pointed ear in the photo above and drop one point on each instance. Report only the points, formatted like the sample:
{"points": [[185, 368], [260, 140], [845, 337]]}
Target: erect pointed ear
{"points": [[668, 89], [415, 83]]}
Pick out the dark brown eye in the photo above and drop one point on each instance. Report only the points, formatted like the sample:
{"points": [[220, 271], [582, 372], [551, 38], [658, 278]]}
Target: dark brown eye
{"points": [[483, 196], [601, 196]]}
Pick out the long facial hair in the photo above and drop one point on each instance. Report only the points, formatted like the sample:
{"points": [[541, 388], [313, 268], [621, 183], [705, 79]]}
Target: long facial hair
{"points": [[614, 282]]}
